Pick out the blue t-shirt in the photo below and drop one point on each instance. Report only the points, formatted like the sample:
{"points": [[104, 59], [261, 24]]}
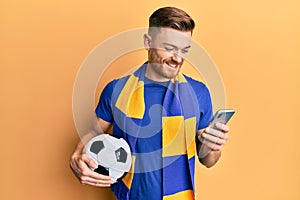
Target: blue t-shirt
{"points": [[147, 181]]}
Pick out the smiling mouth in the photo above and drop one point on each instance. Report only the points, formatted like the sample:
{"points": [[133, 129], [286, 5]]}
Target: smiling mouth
{"points": [[172, 65]]}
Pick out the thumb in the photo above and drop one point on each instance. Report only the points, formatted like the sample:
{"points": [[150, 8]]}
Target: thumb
{"points": [[90, 162], [199, 132]]}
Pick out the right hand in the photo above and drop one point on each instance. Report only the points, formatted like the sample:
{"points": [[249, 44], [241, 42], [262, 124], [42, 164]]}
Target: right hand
{"points": [[81, 164]]}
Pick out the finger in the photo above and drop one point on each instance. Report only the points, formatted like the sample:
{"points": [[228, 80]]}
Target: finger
{"points": [[200, 138], [76, 166], [199, 132], [215, 132], [98, 184], [86, 171], [95, 184], [86, 176], [213, 139], [225, 136], [212, 146], [90, 180], [222, 127], [89, 161]]}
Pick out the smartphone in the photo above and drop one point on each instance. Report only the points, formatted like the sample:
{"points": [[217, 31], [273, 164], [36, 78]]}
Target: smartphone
{"points": [[222, 116]]}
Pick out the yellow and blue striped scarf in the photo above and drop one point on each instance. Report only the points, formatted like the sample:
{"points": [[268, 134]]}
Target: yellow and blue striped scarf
{"points": [[179, 119]]}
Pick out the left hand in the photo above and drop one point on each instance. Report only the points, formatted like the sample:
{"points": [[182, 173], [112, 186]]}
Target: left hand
{"points": [[214, 139]]}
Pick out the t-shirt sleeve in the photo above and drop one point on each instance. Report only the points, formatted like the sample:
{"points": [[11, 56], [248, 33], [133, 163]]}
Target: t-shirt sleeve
{"points": [[205, 107], [204, 102], [104, 107]]}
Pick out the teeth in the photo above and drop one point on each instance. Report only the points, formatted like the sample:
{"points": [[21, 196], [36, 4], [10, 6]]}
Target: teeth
{"points": [[172, 65]]}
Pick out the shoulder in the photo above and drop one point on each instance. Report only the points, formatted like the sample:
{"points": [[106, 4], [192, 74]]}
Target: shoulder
{"points": [[107, 99], [198, 86], [112, 85], [204, 101], [112, 90]]}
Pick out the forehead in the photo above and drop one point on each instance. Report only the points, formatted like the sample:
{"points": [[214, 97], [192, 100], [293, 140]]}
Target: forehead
{"points": [[171, 36]]}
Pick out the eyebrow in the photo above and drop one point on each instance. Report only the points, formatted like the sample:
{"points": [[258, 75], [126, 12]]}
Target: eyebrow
{"points": [[165, 43]]}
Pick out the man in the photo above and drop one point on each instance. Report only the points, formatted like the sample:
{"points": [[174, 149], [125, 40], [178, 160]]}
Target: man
{"points": [[158, 111]]}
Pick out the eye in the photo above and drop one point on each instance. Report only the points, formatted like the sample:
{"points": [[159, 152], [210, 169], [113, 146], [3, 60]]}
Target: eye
{"points": [[184, 51], [169, 48]]}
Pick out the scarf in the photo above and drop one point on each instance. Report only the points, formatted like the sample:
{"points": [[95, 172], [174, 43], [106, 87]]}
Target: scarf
{"points": [[179, 120]]}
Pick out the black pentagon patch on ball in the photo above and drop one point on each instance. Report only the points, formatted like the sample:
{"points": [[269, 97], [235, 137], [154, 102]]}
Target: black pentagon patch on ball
{"points": [[102, 170], [121, 155], [97, 146]]}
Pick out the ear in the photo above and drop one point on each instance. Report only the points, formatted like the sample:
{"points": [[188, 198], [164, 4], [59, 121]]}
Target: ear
{"points": [[147, 41]]}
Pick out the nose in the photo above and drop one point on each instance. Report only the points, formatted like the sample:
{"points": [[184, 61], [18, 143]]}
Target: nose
{"points": [[176, 57]]}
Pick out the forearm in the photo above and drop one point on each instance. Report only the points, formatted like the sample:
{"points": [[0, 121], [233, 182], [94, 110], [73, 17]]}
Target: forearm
{"points": [[98, 126], [207, 156], [210, 142], [81, 144]]}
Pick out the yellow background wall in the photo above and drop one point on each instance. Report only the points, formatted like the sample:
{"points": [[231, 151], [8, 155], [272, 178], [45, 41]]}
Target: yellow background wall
{"points": [[255, 45]]}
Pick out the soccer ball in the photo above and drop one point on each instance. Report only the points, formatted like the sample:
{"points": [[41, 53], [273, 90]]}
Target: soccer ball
{"points": [[112, 155]]}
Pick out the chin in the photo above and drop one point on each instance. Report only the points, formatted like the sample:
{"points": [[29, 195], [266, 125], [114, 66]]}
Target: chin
{"points": [[171, 76]]}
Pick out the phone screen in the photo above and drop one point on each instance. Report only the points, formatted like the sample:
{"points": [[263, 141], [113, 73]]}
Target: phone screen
{"points": [[222, 116]]}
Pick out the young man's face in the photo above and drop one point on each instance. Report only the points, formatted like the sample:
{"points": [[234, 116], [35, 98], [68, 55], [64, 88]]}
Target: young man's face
{"points": [[166, 52]]}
